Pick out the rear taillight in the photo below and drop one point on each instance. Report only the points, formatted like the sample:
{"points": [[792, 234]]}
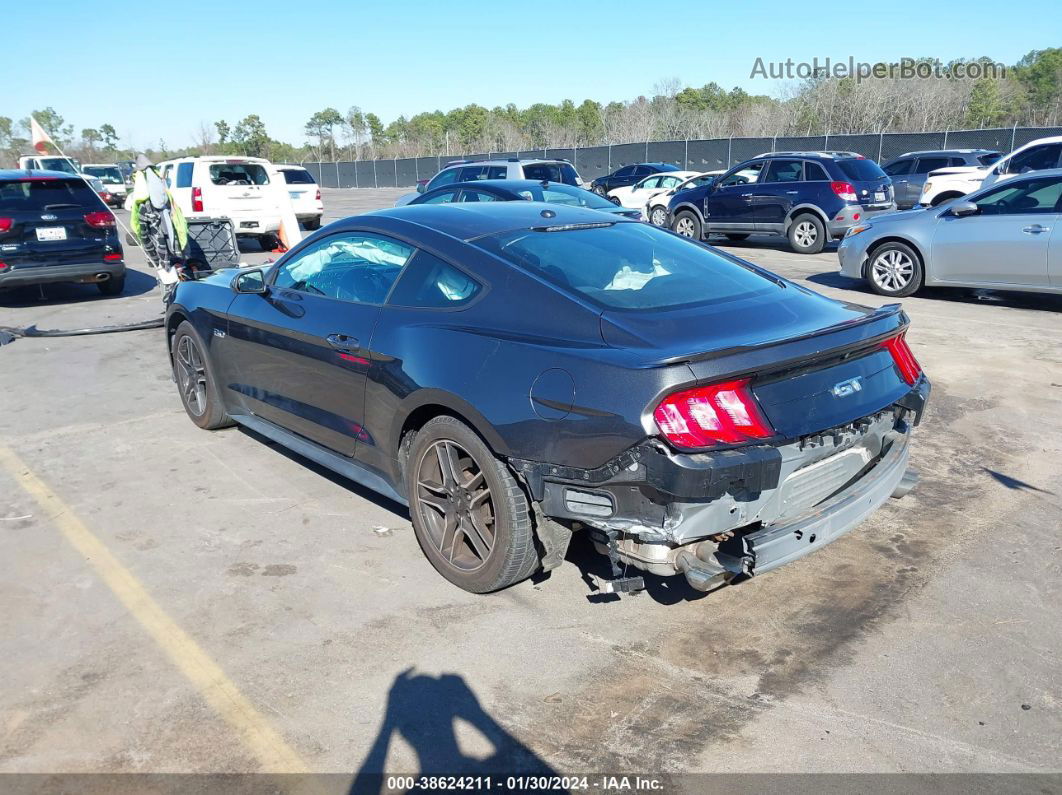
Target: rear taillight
{"points": [[318, 194], [909, 367], [6, 224], [845, 190], [707, 416], [99, 220], [112, 256], [197, 200], [3, 266]]}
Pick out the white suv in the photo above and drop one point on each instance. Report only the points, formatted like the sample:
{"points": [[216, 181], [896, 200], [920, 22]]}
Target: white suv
{"points": [[513, 168], [946, 184], [304, 193], [239, 188]]}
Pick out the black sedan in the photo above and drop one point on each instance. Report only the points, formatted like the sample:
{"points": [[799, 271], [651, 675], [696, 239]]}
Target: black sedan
{"points": [[508, 190], [519, 371], [628, 175]]}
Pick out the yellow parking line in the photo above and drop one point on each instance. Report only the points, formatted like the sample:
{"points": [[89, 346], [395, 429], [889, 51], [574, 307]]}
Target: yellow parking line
{"points": [[261, 739]]}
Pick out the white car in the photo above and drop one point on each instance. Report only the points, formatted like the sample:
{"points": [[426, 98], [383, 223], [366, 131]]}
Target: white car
{"points": [[636, 196], [656, 207], [111, 177], [49, 163], [946, 184], [304, 193], [239, 188]]}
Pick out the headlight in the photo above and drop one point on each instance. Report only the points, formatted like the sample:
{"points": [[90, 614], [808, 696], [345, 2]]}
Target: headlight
{"points": [[926, 187], [855, 230]]}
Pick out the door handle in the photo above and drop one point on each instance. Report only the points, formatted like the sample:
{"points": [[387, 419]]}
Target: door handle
{"points": [[1035, 229], [745, 195], [792, 192], [901, 180], [341, 342]]}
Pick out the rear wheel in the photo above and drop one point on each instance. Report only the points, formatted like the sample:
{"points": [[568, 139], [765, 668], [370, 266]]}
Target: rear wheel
{"points": [[895, 270], [267, 242], [687, 224], [807, 235], [195, 380], [312, 223], [658, 216], [469, 514], [599, 190], [113, 286]]}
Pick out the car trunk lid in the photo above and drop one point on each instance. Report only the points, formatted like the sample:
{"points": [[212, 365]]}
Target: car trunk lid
{"points": [[44, 223]]}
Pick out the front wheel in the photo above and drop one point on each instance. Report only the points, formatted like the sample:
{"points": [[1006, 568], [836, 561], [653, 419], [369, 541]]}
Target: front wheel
{"points": [[469, 514], [895, 270], [807, 235], [195, 380], [687, 224], [658, 216]]}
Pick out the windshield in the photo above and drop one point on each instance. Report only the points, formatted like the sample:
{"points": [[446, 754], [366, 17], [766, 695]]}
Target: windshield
{"points": [[58, 164], [238, 174], [565, 194], [297, 176], [109, 175], [989, 159], [861, 170], [628, 265], [45, 194]]}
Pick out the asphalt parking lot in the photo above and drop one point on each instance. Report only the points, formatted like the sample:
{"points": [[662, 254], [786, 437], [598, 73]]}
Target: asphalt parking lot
{"points": [[182, 601]]}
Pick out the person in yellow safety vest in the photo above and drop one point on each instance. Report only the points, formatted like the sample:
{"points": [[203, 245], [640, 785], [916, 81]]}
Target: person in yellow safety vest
{"points": [[158, 224]]}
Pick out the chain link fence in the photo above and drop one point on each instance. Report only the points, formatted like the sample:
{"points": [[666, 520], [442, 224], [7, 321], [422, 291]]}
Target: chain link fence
{"points": [[699, 155]]}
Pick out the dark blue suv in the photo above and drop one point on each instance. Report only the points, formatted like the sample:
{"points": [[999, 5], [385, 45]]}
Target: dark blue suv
{"points": [[810, 197]]}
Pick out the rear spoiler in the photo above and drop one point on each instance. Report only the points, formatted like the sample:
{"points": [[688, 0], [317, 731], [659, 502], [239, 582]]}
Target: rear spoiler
{"points": [[875, 318]]}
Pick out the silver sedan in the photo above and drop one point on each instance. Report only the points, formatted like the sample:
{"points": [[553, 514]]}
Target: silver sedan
{"points": [[997, 237]]}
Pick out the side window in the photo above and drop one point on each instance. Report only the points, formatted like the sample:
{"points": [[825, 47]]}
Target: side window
{"points": [[447, 177], [899, 168], [444, 197], [166, 171], [1035, 159], [353, 266], [957, 161], [472, 173], [813, 172], [1032, 196], [184, 175], [743, 176], [641, 171], [651, 182], [784, 171], [626, 171], [497, 172], [927, 164], [477, 196], [669, 182], [430, 282], [542, 172]]}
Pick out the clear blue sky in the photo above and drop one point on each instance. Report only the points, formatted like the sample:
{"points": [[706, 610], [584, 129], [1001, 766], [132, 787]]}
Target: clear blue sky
{"points": [[158, 69]]}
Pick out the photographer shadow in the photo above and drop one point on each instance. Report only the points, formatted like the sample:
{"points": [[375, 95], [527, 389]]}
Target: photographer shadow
{"points": [[423, 710]]}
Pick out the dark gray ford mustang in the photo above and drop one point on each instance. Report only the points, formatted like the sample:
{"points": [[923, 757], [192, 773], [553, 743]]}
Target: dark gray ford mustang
{"points": [[517, 371]]}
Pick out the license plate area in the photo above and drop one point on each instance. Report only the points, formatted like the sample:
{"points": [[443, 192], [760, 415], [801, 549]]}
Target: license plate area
{"points": [[879, 196], [49, 233]]}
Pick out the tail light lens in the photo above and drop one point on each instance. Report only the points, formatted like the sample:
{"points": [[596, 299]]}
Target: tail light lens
{"points": [[197, 200], [845, 190], [318, 194], [6, 224], [909, 367], [707, 416], [99, 220], [112, 256], [3, 266]]}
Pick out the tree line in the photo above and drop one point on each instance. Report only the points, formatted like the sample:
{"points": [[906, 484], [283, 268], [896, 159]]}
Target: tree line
{"points": [[1029, 93]]}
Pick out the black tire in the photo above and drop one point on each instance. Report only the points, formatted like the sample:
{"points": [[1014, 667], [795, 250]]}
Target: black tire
{"points": [[614, 200], [113, 286], [206, 409], [599, 190], [658, 216], [313, 223], [491, 539], [944, 198], [268, 241], [807, 235], [736, 237], [687, 224], [894, 269]]}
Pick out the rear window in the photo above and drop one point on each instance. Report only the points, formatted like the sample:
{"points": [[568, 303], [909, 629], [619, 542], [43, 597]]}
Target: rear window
{"points": [[860, 170], [44, 194], [552, 172], [238, 174], [57, 164], [628, 266], [566, 194], [297, 176]]}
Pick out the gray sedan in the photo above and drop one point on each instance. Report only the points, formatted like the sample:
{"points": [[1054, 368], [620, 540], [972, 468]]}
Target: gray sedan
{"points": [[998, 237]]}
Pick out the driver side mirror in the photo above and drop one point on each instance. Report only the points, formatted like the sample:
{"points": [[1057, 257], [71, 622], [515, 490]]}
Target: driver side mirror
{"points": [[961, 209], [421, 187], [251, 282]]}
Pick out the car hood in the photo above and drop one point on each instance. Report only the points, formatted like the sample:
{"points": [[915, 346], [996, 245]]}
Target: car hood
{"points": [[776, 314]]}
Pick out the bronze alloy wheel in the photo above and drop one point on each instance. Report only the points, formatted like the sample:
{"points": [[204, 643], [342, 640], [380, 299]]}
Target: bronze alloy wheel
{"points": [[456, 505]]}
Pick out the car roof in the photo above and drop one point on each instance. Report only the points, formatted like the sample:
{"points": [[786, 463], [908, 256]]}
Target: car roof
{"points": [[99, 165], [511, 184], [25, 173], [506, 161], [948, 152], [471, 220], [829, 155]]}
